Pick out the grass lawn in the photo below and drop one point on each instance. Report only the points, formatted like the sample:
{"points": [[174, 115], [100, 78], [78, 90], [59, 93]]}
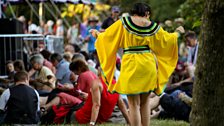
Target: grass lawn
{"points": [[168, 123], [156, 122]]}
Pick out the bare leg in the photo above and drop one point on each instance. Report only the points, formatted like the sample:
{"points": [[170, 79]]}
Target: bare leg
{"points": [[154, 102], [145, 109], [134, 110]]}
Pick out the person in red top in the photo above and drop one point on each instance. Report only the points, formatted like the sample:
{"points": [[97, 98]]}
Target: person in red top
{"points": [[77, 94], [99, 104]]}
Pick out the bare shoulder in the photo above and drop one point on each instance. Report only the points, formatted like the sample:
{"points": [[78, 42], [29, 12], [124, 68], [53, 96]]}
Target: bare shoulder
{"points": [[97, 85]]}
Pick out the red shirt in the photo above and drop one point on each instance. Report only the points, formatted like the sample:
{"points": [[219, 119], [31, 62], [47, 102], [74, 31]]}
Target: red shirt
{"points": [[108, 102], [85, 81]]}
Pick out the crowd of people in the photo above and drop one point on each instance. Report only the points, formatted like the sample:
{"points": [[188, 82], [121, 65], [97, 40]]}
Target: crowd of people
{"points": [[83, 85]]}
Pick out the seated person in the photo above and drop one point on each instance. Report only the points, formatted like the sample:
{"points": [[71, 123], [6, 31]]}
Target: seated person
{"points": [[99, 103], [19, 65], [42, 72], [176, 102], [7, 81], [10, 70], [62, 68], [21, 102], [176, 105]]}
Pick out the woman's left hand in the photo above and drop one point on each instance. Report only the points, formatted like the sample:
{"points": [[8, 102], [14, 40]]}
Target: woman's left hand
{"points": [[94, 32], [180, 29]]}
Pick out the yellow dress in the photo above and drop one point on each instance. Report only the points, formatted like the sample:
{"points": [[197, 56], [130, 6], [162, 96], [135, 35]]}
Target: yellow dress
{"points": [[141, 71]]}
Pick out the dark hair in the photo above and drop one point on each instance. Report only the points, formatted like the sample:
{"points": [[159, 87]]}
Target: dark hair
{"points": [[77, 48], [9, 62], [46, 54], [140, 9], [19, 64], [85, 54], [20, 76], [190, 34], [78, 65], [56, 57]]}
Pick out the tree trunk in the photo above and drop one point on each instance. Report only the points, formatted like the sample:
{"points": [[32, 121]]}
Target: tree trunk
{"points": [[208, 92]]}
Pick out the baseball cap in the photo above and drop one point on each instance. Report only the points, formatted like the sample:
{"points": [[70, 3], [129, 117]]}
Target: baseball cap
{"points": [[93, 19], [115, 9]]}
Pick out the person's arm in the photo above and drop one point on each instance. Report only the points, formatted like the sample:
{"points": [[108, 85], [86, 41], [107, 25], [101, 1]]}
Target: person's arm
{"points": [[31, 72], [69, 33], [178, 84], [94, 32], [190, 79], [95, 90], [4, 99], [123, 108], [38, 101]]}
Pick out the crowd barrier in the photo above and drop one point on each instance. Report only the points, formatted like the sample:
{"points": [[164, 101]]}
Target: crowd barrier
{"points": [[21, 46]]}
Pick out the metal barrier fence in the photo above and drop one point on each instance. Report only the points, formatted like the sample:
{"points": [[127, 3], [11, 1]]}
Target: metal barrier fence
{"points": [[54, 44], [21, 46]]}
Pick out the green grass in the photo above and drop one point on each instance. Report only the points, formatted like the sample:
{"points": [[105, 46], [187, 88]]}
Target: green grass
{"points": [[168, 123], [154, 122]]}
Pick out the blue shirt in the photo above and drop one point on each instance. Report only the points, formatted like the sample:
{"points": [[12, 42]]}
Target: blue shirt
{"points": [[63, 72], [192, 54], [91, 43]]}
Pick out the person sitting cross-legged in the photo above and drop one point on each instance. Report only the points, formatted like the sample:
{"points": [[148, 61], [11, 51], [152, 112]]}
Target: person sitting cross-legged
{"points": [[21, 102]]}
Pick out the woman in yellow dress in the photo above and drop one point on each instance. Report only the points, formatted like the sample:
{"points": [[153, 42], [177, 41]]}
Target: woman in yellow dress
{"points": [[150, 56]]}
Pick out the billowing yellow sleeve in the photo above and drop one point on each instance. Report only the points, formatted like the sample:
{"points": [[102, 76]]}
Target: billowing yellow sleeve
{"points": [[107, 45], [165, 48]]}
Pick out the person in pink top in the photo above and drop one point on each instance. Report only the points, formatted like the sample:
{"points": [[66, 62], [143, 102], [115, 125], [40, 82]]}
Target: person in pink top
{"points": [[77, 94], [99, 104]]}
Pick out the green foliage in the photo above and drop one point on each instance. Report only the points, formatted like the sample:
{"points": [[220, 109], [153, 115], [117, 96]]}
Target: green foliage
{"points": [[165, 9], [191, 11], [197, 24], [110, 2], [161, 9], [126, 5], [25, 10]]}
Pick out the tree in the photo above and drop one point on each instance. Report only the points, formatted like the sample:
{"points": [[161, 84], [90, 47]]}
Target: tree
{"points": [[165, 9], [208, 92], [191, 11]]}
